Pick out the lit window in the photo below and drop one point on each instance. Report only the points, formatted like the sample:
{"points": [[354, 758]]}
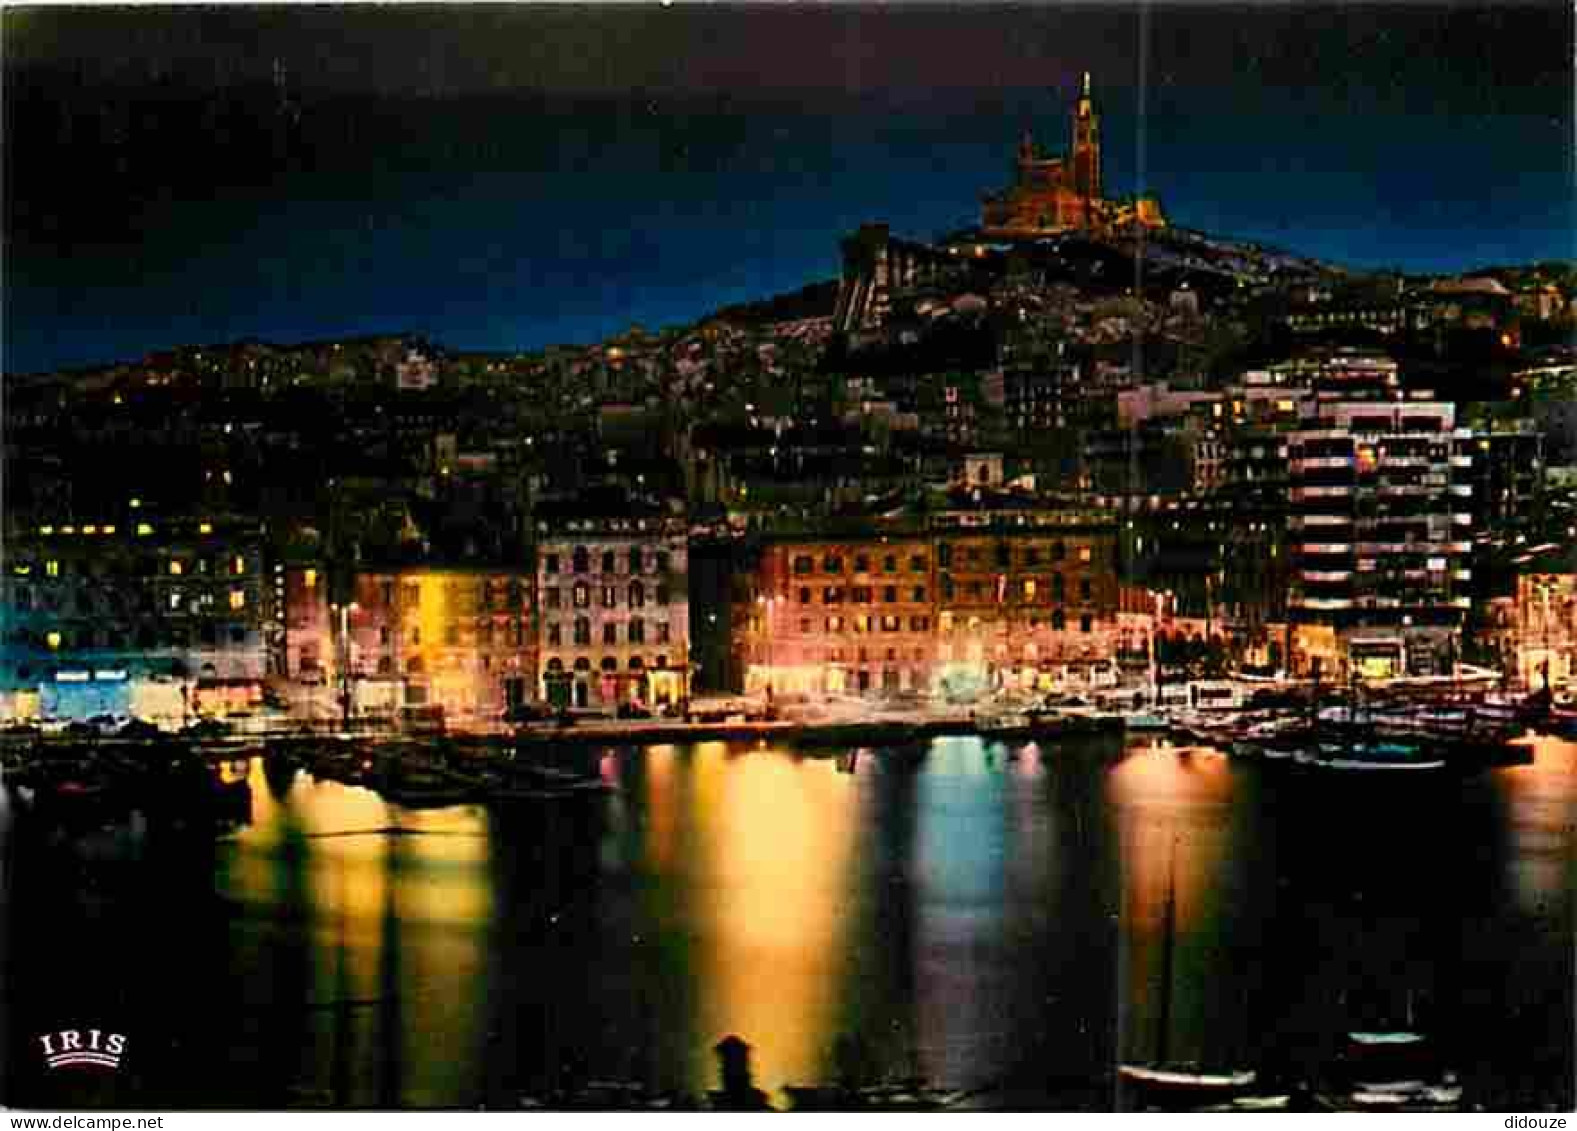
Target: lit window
{"points": [[46, 529], [175, 569], [1029, 589], [238, 566], [205, 528], [52, 568], [310, 579], [90, 530], [237, 599], [54, 639], [109, 530], [144, 529], [1084, 553]]}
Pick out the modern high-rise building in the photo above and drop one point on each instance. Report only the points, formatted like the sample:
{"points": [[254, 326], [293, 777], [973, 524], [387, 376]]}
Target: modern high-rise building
{"points": [[1379, 527]]}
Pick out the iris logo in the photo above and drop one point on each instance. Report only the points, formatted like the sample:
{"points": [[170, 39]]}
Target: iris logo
{"points": [[93, 1048]]}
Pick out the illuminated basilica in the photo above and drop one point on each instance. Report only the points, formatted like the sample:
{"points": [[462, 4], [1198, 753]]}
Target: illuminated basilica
{"points": [[1063, 193]]}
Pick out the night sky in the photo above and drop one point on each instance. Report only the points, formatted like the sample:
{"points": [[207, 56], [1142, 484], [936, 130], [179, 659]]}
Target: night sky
{"points": [[507, 177]]}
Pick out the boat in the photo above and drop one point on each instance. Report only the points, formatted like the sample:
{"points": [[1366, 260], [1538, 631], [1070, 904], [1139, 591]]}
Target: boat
{"points": [[1390, 1070]]}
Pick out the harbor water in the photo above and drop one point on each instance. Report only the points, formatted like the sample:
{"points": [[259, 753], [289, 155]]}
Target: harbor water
{"points": [[1011, 919]]}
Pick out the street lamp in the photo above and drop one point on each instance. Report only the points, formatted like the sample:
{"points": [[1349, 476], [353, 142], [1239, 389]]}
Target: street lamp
{"points": [[344, 612]]}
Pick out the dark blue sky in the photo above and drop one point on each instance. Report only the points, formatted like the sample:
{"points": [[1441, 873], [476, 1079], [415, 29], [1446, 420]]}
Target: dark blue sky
{"points": [[502, 177]]}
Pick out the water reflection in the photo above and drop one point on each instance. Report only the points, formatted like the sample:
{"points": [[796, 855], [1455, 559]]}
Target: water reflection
{"points": [[1018, 918]]}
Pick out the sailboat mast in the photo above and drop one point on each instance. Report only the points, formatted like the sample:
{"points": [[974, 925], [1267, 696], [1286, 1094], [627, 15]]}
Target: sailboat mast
{"points": [[1169, 931]]}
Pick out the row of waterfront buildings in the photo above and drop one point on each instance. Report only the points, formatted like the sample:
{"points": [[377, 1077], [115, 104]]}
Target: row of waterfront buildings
{"points": [[983, 586]]}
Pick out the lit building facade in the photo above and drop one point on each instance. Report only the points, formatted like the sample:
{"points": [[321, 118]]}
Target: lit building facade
{"points": [[1379, 527], [1025, 599], [963, 603], [457, 639], [615, 611], [157, 617], [841, 616]]}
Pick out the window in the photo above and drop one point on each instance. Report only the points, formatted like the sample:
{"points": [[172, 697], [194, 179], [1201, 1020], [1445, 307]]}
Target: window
{"points": [[637, 631], [550, 563], [609, 562], [804, 624], [387, 591], [637, 595], [862, 623], [610, 664], [862, 563], [947, 587], [610, 597], [582, 630], [550, 598], [889, 594], [1085, 622], [832, 563], [1031, 556], [832, 595], [834, 624], [610, 633], [944, 555], [176, 568], [1059, 552], [919, 624], [581, 560], [1084, 553], [635, 559], [944, 623], [804, 595], [891, 624], [1058, 621], [1029, 589], [803, 564], [582, 595], [1084, 589], [662, 593], [662, 633], [917, 563], [237, 599], [1004, 555], [238, 565], [416, 634], [309, 579], [890, 563], [919, 593], [555, 634], [977, 589], [662, 561], [1058, 586]]}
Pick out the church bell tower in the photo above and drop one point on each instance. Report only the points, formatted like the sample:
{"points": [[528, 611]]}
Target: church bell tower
{"points": [[1086, 150]]}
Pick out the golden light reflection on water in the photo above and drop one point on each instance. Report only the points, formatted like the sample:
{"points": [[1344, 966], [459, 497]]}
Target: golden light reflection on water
{"points": [[1175, 843], [1541, 799], [772, 838], [396, 899]]}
